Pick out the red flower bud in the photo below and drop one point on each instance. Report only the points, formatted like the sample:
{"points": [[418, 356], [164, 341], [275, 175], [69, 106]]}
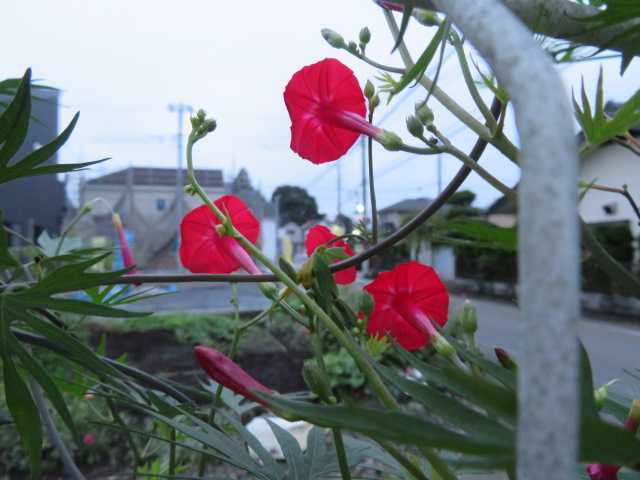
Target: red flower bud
{"points": [[505, 359], [398, 7], [88, 439], [229, 374], [125, 249]]}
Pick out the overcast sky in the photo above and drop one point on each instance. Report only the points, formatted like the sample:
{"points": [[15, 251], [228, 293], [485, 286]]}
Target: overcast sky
{"points": [[120, 63]]}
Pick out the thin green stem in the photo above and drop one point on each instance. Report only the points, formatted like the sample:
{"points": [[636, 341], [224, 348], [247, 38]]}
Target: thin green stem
{"points": [[471, 84], [372, 187], [403, 460], [343, 462], [172, 453], [501, 143], [66, 231], [137, 458]]}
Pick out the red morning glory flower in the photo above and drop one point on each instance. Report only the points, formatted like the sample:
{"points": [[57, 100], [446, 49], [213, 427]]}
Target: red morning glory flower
{"points": [[229, 374], [320, 235], [407, 300], [204, 250], [398, 7], [327, 109]]}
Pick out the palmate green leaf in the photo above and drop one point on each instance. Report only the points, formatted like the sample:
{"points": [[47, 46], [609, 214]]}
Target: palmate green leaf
{"points": [[599, 128], [42, 377], [291, 451], [449, 409], [14, 121], [489, 396], [420, 66], [19, 401], [393, 426]]}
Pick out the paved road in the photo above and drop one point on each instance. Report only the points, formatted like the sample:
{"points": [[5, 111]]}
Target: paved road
{"points": [[612, 346]]}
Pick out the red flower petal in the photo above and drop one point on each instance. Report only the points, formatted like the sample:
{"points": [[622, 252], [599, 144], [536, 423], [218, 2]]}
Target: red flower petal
{"points": [[202, 249], [320, 235], [325, 103], [410, 282]]}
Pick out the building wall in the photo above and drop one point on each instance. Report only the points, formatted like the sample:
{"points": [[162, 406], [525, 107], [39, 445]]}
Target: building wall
{"points": [[148, 198], [504, 220], [612, 166]]}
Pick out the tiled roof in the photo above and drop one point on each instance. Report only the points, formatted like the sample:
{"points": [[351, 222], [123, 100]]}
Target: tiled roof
{"points": [[158, 176]]}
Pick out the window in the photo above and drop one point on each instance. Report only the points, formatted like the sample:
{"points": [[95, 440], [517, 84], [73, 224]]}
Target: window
{"points": [[161, 204]]}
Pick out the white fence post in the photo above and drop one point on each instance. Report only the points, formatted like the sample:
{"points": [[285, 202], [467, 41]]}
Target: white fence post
{"points": [[548, 433]]}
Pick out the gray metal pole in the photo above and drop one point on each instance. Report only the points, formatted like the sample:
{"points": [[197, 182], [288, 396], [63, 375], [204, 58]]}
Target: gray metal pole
{"points": [[548, 426]]}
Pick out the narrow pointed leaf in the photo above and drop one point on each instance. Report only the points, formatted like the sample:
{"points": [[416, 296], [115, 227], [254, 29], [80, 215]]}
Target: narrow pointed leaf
{"points": [[14, 121], [292, 452], [404, 23]]}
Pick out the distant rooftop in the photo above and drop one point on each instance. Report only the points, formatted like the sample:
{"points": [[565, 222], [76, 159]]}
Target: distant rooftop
{"points": [[158, 176], [408, 205]]}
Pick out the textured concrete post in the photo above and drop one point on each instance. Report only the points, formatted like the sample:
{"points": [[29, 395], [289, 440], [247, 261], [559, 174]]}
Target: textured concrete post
{"points": [[548, 432]]}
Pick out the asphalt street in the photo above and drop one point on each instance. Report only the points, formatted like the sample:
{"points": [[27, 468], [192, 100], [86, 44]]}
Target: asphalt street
{"points": [[612, 345]]}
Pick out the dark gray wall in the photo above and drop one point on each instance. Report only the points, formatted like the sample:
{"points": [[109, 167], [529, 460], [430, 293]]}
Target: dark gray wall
{"points": [[36, 203]]}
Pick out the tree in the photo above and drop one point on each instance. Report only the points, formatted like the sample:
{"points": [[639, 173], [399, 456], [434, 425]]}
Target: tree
{"points": [[295, 205]]}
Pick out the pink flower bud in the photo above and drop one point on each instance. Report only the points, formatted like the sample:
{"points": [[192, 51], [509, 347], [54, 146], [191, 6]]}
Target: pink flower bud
{"points": [[229, 374], [127, 254], [88, 439]]}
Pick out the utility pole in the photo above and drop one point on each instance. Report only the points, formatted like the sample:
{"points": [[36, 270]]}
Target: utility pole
{"points": [[180, 109]]}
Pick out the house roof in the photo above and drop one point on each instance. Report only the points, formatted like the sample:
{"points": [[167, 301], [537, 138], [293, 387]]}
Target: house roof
{"points": [[157, 176], [407, 205]]}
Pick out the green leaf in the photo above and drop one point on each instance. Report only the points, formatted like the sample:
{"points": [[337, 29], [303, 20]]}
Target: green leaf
{"points": [[404, 23], [394, 426], [292, 452], [80, 307], [47, 170], [421, 65], [449, 409], [288, 269], [23, 411], [6, 259], [14, 121], [42, 377]]}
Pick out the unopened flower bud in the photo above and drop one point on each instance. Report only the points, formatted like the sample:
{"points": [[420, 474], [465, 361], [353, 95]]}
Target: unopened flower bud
{"points": [[365, 35], [633, 419], [333, 38], [210, 125], [316, 381], [369, 90], [189, 190], [374, 102], [269, 290], [424, 113], [443, 347], [86, 208], [201, 114], [602, 393], [505, 360], [469, 318], [352, 47], [428, 18], [88, 439], [389, 140], [414, 126]]}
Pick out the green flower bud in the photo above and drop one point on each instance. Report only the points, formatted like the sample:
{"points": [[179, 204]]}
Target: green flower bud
{"points": [[365, 35], [210, 125], [369, 90], [424, 113], [189, 190], [442, 346], [389, 140], [316, 381], [86, 208], [352, 47], [469, 318], [428, 18], [269, 290], [374, 102], [414, 126], [333, 38], [201, 114]]}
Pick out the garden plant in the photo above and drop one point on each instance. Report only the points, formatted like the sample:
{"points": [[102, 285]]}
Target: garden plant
{"points": [[436, 406]]}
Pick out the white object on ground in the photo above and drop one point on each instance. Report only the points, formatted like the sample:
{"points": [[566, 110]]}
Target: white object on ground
{"points": [[259, 428]]}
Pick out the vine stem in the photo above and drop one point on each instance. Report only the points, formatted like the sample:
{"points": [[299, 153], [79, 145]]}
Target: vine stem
{"points": [[372, 188]]}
